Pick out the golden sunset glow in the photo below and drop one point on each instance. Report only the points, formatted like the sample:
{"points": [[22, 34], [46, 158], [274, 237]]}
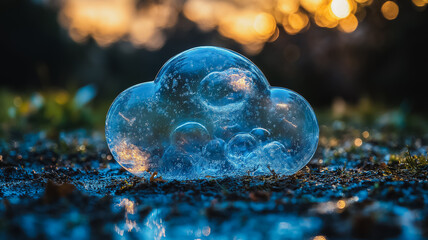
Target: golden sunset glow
{"points": [[105, 20], [108, 21], [251, 25]]}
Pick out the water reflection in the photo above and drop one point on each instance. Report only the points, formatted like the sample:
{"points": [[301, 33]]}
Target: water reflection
{"points": [[155, 225], [191, 224], [152, 227], [130, 223]]}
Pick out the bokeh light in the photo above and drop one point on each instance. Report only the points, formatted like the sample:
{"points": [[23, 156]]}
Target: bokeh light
{"points": [[390, 10], [288, 6], [366, 134], [251, 25], [420, 3], [108, 21], [320, 237], [105, 20], [348, 24], [340, 8], [341, 204], [358, 142]]}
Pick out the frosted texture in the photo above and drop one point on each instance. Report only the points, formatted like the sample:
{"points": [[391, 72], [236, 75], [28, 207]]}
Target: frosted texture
{"points": [[210, 111]]}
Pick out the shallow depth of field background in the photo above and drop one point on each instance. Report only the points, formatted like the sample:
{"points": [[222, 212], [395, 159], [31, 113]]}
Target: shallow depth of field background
{"points": [[65, 61], [362, 65]]}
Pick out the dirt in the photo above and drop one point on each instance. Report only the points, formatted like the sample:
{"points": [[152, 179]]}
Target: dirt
{"points": [[70, 187]]}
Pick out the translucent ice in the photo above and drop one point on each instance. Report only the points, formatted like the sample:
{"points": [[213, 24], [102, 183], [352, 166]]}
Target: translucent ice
{"points": [[240, 146], [210, 111]]}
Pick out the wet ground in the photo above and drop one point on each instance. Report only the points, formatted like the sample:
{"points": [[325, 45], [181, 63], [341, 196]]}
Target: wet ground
{"points": [[361, 183]]}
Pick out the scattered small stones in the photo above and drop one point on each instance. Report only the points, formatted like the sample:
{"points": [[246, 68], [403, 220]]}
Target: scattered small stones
{"points": [[70, 188]]}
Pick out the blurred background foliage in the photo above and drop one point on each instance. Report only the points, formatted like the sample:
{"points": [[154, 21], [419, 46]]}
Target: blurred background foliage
{"points": [[65, 61]]}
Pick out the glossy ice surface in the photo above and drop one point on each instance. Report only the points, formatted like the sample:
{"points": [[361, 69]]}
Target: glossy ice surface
{"points": [[210, 111]]}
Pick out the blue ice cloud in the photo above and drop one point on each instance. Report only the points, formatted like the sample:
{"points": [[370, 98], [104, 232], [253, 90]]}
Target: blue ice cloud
{"points": [[210, 111]]}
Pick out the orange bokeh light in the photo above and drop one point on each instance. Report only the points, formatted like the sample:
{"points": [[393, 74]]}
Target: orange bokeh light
{"points": [[348, 24], [340, 8], [252, 25], [390, 10]]}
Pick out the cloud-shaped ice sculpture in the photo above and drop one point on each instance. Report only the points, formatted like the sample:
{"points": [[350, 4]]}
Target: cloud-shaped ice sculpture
{"points": [[210, 111]]}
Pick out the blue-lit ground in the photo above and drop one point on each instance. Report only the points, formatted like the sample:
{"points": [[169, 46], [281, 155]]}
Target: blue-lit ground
{"points": [[361, 184]]}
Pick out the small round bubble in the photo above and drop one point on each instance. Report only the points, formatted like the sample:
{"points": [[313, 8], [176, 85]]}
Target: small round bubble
{"points": [[215, 149], [190, 137], [274, 154], [241, 145], [175, 162], [260, 134], [225, 90]]}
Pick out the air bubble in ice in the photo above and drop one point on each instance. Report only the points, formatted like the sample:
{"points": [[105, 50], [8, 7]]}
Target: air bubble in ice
{"points": [[190, 137], [241, 145], [260, 134]]}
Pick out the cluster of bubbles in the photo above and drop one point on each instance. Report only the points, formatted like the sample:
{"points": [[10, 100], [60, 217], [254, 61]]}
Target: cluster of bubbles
{"points": [[210, 112]]}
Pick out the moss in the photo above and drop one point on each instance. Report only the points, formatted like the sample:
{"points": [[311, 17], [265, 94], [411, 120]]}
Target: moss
{"points": [[409, 161]]}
